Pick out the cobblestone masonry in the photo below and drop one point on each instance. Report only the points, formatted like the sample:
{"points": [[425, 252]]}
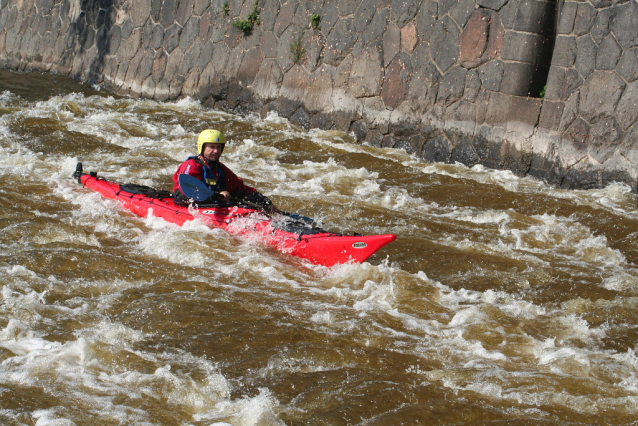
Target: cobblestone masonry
{"points": [[447, 80]]}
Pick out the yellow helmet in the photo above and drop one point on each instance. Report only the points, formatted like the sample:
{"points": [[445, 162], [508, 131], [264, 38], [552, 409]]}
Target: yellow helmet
{"points": [[209, 136]]}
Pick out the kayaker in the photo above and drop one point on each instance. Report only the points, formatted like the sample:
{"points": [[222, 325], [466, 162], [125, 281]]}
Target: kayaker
{"points": [[206, 167]]}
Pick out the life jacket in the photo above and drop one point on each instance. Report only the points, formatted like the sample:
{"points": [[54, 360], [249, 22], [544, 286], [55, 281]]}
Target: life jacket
{"points": [[216, 183]]}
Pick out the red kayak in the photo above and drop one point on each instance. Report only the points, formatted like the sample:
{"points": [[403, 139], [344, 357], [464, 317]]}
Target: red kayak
{"points": [[283, 233]]}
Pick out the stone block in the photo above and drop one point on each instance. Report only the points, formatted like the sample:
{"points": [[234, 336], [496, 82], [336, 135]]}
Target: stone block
{"points": [[321, 121], [366, 72], [342, 119], [284, 18], [602, 24], [156, 10], [269, 44], [391, 43], [159, 65], [426, 19], [402, 11], [423, 88], [167, 13], [572, 82], [251, 62], [437, 150], [481, 39], [347, 7], [444, 45], [221, 53], [492, 4], [395, 81], [460, 119], [189, 60], [301, 118], [604, 138], [363, 15], [610, 53], [567, 17], [599, 95], [508, 14], [218, 28], [578, 178], [200, 6], [329, 16], [148, 88], [505, 108], [578, 134], [628, 65], [138, 11], [360, 130], [375, 112], [293, 89], [171, 38], [519, 79], [411, 144], [319, 93], [555, 83], [252, 39], [491, 75], [205, 55], [374, 137], [376, 27], [268, 14], [627, 109], [189, 33], [183, 12], [586, 56], [313, 43], [565, 51], [551, 113], [472, 86], [585, 18], [408, 38], [462, 11], [452, 86], [481, 141], [267, 81], [537, 17], [521, 47], [284, 42], [465, 154], [340, 41], [624, 24]]}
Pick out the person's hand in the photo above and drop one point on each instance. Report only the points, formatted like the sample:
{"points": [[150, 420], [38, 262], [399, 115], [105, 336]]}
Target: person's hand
{"points": [[225, 196], [272, 209]]}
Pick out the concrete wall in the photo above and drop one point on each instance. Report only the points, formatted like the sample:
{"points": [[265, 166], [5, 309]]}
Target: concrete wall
{"points": [[448, 80]]}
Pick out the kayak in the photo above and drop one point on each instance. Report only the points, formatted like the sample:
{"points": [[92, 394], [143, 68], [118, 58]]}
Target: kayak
{"points": [[284, 232]]}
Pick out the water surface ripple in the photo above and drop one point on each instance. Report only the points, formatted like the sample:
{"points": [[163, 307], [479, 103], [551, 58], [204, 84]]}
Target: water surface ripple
{"points": [[503, 300]]}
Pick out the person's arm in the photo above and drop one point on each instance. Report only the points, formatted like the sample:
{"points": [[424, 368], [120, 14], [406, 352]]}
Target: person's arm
{"points": [[240, 191]]}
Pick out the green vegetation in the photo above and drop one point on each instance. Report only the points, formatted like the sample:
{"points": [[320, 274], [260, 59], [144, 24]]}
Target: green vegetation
{"points": [[225, 8], [246, 25], [542, 93], [297, 51], [315, 21]]}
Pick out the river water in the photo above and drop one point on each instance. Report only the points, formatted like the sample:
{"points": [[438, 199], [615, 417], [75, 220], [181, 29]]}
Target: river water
{"points": [[502, 301]]}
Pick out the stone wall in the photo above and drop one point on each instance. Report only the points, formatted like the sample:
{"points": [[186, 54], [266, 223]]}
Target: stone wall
{"points": [[447, 80]]}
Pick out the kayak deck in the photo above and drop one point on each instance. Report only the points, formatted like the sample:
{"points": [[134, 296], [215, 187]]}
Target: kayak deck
{"points": [[285, 234]]}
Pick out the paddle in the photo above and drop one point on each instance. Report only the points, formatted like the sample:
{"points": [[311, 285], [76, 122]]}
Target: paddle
{"points": [[198, 191]]}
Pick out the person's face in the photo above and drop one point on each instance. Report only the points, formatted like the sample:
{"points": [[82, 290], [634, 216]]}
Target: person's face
{"points": [[212, 151]]}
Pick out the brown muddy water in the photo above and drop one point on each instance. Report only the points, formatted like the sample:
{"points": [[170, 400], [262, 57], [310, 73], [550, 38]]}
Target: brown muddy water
{"points": [[504, 301]]}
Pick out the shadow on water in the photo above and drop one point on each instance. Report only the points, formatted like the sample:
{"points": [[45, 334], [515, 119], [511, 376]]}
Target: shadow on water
{"points": [[21, 84]]}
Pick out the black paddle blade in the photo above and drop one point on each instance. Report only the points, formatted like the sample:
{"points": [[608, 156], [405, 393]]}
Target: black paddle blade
{"points": [[194, 188]]}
